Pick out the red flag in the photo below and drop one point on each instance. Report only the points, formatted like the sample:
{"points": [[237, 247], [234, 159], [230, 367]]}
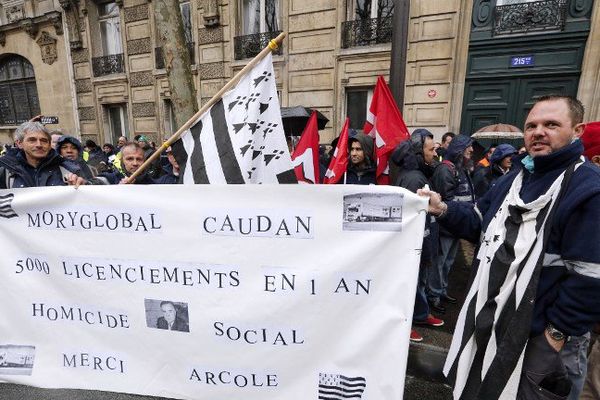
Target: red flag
{"points": [[339, 161], [386, 126], [306, 154]]}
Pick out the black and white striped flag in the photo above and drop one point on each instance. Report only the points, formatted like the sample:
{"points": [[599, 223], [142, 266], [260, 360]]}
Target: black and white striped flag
{"points": [[240, 139], [6, 210], [488, 346], [339, 387]]}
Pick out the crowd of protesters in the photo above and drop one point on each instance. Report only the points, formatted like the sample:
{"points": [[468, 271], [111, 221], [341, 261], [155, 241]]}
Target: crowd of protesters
{"points": [[466, 195]]}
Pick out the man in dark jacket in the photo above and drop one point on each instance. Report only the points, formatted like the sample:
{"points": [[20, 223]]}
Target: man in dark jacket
{"points": [[132, 159], [70, 148], [452, 181], [36, 163], [500, 163], [361, 166], [170, 320], [536, 277], [416, 161]]}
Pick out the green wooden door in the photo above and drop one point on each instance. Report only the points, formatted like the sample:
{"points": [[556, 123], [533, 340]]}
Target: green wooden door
{"points": [[509, 99]]}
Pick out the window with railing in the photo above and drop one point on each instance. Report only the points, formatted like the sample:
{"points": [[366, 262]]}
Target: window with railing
{"points": [[111, 61], [369, 22], [19, 100], [523, 16], [259, 24]]}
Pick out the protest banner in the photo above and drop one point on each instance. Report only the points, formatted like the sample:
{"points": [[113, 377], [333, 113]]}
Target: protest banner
{"points": [[209, 291]]}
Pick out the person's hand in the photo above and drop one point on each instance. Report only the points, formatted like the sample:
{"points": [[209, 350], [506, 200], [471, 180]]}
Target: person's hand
{"points": [[74, 180], [556, 344], [126, 181], [436, 205]]}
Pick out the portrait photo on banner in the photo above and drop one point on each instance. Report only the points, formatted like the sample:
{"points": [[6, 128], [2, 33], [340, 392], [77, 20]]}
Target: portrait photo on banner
{"points": [[167, 314]]}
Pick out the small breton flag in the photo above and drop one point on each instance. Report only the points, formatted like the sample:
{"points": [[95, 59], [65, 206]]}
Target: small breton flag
{"points": [[240, 139], [6, 210], [339, 387]]}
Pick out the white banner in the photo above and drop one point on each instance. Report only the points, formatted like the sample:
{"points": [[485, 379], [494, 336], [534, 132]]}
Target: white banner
{"points": [[210, 292]]}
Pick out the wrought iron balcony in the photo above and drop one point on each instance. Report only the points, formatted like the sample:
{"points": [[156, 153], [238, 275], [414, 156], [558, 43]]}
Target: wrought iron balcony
{"points": [[159, 58], [366, 32], [249, 46], [106, 65], [535, 16]]}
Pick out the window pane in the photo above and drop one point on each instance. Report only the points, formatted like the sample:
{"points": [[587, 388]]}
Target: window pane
{"points": [[15, 68], [7, 116], [32, 97], [385, 8], [363, 9], [115, 123], [110, 31], [272, 15], [19, 97], [3, 72], [28, 70], [251, 17], [356, 108], [187, 21], [108, 10]]}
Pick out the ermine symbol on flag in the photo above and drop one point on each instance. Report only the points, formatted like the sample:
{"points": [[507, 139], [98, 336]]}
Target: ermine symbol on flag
{"points": [[6, 210]]}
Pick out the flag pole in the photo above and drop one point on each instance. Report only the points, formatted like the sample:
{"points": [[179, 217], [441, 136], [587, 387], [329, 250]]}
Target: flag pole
{"points": [[272, 46]]}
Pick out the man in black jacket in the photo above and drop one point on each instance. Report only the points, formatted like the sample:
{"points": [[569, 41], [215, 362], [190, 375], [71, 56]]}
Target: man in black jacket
{"points": [[35, 163], [416, 161]]}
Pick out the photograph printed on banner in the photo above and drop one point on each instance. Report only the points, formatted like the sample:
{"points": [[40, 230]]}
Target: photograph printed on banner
{"points": [[167, 314], [373, 212], [16, 359]]}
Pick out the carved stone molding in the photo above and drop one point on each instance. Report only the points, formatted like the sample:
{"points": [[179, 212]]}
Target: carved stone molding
{"points": [[30, 27], [137, 13], [79, 56], [482, 12], [210, 35], [144, 109], [211, 14], [580, 8], [56, 20], [87, 113], [2, 38], [139, 46], [212, 70], [83, 85], [137, 79], [48, 48], [15, 13]]}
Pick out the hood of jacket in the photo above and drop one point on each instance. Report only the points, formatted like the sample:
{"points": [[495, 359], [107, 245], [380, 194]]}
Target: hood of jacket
{"points": [[502, 151], [366, 142], [457, 147], [69, 139]]}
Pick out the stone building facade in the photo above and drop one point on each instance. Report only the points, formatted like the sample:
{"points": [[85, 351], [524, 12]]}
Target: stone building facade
{"points": [[35, 71], [330, 60]]}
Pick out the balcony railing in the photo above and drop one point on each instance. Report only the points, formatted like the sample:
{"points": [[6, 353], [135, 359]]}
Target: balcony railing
{"points": [[106, 65], [249, 46], [530, 17], [366, 32], [159, 59]]}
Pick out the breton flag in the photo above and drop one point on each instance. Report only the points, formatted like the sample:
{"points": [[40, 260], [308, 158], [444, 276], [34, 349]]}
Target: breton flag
{"points": [[240, 138], [339, 161], [306, 154], [386, 126], [339, 387], [6, 210]]}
